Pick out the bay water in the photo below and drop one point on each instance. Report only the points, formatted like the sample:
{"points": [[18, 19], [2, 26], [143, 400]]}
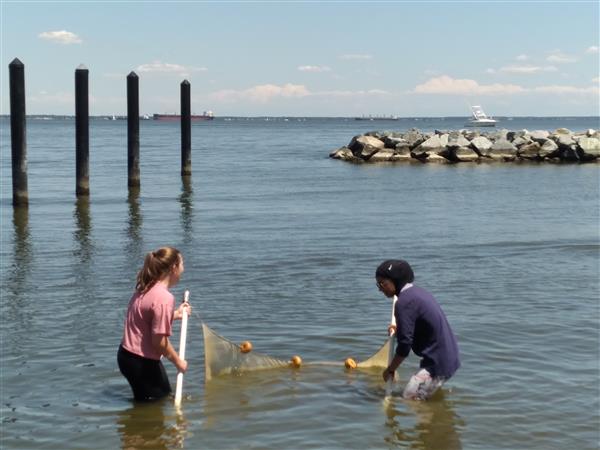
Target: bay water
{"points": [[281, 245]]}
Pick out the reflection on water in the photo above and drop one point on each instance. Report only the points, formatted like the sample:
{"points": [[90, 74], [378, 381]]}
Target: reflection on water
{"points": [[187, 205], [146, 425], [83, 229], [17, 277], [134, 246], [428, 425]]}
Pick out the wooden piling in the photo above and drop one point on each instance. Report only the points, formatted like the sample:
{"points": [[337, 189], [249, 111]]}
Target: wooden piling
{"points": [[186, 129], [18, 133], [82, 132], [133, 131]]}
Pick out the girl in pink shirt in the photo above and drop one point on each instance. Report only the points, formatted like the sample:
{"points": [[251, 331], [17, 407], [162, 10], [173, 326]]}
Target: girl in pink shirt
{"points": [[148, 325]]}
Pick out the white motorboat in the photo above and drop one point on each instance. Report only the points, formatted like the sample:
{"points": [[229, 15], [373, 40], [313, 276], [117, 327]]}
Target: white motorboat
{"points": [[480, 119]]}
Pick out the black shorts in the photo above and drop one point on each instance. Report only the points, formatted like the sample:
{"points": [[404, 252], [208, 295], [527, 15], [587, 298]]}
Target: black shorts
{"points": [[147, 377]]}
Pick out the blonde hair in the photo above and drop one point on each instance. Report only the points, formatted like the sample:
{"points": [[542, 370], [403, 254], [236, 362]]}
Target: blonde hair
{"points": [[157, 265]]}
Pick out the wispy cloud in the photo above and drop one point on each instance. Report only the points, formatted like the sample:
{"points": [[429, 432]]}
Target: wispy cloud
{"points": [[527, 69], [559, 57], [355, 56], [268, 92], [447, 85], [60, 37], [162, 67], [596, 80], [522, 57], [593, 49], [561, 90], [262, 93], [315, 69]]}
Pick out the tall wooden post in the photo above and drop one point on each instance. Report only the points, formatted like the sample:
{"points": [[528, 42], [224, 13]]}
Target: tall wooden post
{"points": [[18, 134], [186, 129], [133, 131], [82, 132]]}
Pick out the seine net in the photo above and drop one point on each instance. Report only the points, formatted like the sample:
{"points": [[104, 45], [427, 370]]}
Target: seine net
{"points": [[222, 356]]}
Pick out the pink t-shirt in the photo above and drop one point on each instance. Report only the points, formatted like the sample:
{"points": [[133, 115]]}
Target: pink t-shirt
{"points": [[148, 314]]}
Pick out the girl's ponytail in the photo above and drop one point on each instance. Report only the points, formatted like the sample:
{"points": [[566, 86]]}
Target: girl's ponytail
{"points": [[157, 265]]}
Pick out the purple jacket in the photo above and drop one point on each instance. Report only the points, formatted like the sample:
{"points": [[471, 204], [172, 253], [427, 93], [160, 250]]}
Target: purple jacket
{"points": [[423, 327]]}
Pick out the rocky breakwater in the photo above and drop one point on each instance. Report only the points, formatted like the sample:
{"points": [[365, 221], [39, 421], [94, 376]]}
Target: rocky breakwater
{"points": [[561, 145]]}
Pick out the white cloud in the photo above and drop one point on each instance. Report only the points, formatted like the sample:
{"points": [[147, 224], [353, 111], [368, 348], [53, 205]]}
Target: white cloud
{"points": [[314, 69], [60, 37], [560, 58], [527, 69], [160, 67], [561, 89], [522, 58], [490, 70], [596, 80], [593, 49], [448, 85], [262, 93], [354, 56], [267, 92]]}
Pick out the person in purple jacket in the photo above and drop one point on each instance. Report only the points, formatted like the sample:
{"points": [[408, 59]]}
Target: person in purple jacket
{"points": [[422, 327]]}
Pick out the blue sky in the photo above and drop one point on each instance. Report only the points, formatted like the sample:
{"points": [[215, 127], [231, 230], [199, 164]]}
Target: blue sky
{"points": [[310, 58]]}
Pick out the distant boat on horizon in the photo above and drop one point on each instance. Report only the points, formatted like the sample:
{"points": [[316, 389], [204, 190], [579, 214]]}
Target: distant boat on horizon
{"points": [[207, 115], [479, 118]]}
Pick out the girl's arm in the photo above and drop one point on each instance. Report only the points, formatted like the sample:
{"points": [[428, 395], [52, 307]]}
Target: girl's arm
{"points": [[163, 345]]}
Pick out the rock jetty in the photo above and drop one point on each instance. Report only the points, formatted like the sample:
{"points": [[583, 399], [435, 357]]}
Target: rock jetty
{"points": [[561, 145]]}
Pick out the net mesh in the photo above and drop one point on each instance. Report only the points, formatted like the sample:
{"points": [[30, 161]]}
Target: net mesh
{"points": [[222, 357]]}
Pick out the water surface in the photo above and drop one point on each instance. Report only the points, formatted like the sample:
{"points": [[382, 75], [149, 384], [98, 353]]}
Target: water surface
{"points": [[281, 244]]}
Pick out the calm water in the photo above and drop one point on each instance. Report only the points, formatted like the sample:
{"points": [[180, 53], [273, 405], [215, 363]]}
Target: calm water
{"points": [[281, 245]]}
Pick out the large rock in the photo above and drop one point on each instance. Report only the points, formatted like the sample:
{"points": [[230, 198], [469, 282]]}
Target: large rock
{"points": [[563, 140], [590, 146], [382, 155], [359, 142], [521, 140], [456, 140], [481, 145], [414, 138], [345, 154], [512, 135], [530, 151], [464, 154], [549, 149], [503, 150], [433, 144], [539, 136], [393, 142], [444, 139], [435, 157]]}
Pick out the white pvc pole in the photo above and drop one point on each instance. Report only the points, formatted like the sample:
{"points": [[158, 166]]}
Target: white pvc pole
{"points": [[182, 339], [390, 381]]}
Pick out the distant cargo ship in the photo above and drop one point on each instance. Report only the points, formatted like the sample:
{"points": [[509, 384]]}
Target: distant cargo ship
{"points": [[377, 118], [207, 115]]}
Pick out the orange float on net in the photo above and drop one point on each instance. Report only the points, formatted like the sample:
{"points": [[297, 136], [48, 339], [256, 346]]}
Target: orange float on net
{"points": [[296, 361], [246, 347], [350, 363]]}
